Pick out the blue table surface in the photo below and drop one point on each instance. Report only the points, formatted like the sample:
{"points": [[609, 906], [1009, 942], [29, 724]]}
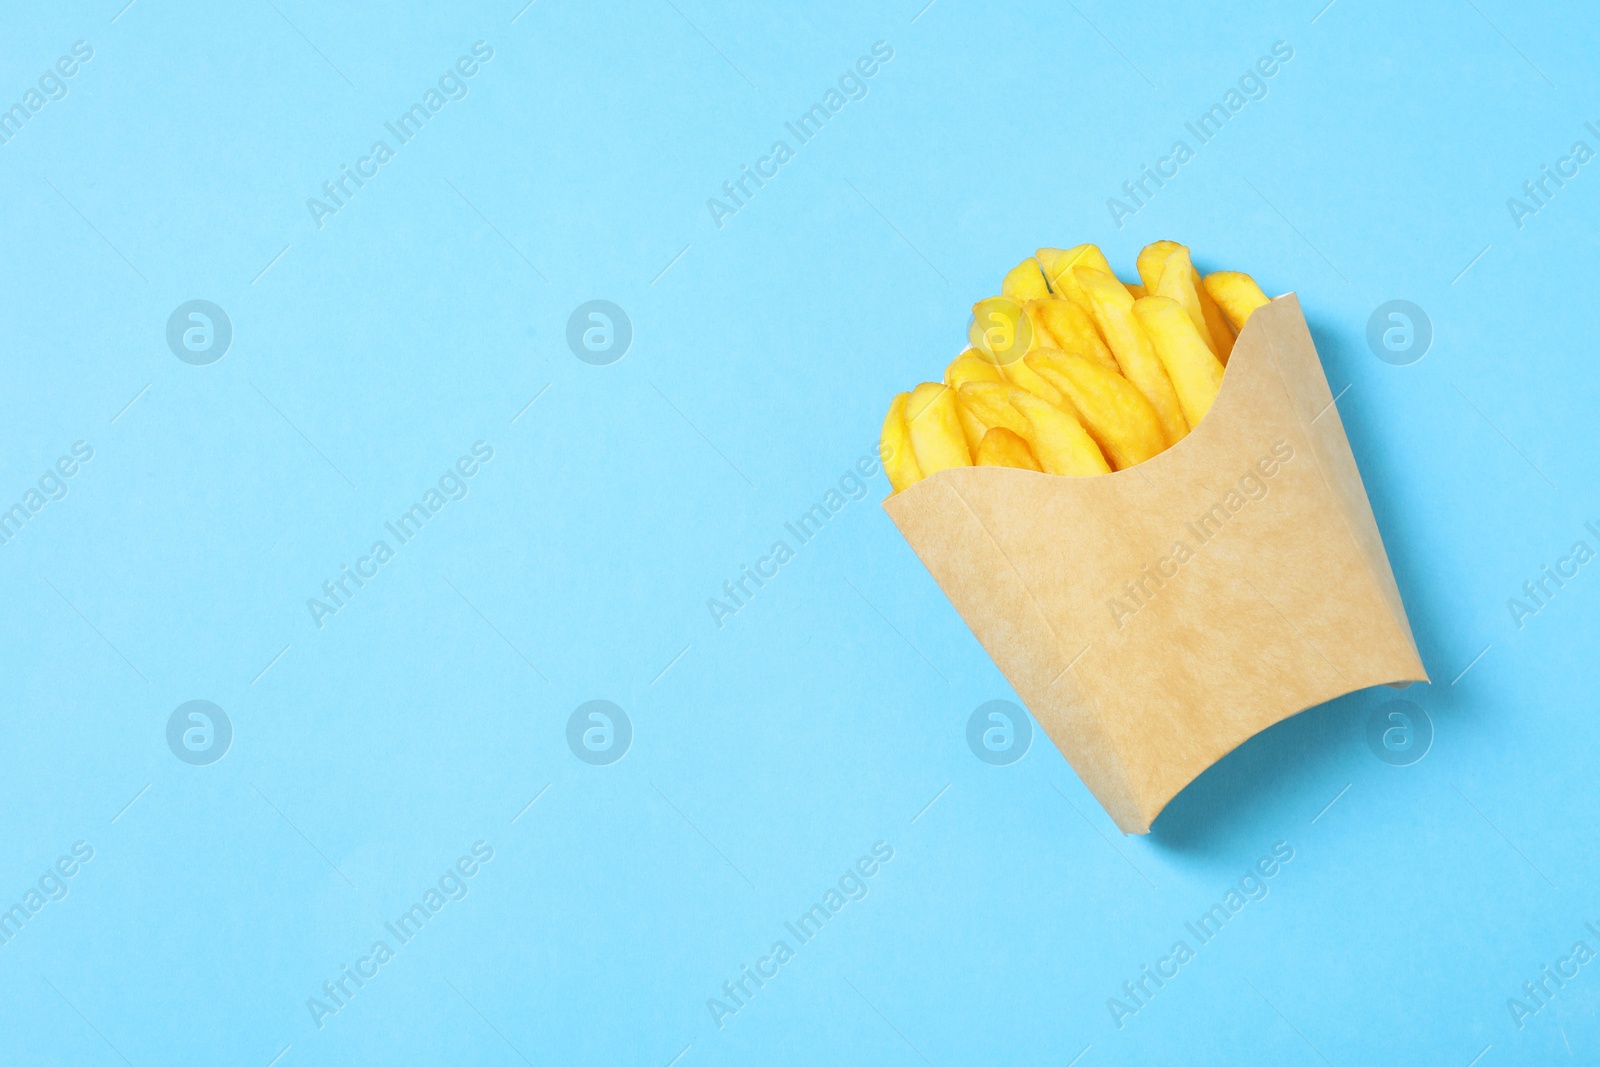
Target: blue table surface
{"points": [[397, 831]]}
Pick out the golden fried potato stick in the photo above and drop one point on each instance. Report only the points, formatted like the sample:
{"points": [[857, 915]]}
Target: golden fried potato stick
{"points": [[1019, 373], [990, 402], [1237, 294], [971, 428], [1196, 374], [1058, 265], [1152, 258], [1000, 330], [1112, 308], [970, 366], [1112, 409], [1216, 322], [1180, 283], [1059, 323], [1135, 290], [1001, 447], [1024, 282], [899, 461], [936, 437], [1059, 441], [1212, 324]]}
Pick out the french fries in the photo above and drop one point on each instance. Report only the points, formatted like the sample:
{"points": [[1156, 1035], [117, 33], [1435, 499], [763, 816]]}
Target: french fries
{"points": [[1179, 286], [1152, 260], [1059, 323], [1022, 375], [990, 404], [1000, 330], [1058, 440], [969, 366], [1074, 372], [1001, 447], [1237, 294], [1003, 333], [1024, 282], [1112, 307], [1058, 265], [1115, 413], [936, 437], [1216, 322], [1196, 374], [1180, 283], [899, 462]]}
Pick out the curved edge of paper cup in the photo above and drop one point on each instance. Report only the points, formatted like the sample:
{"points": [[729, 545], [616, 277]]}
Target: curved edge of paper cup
{"points": [[1403, 679]]}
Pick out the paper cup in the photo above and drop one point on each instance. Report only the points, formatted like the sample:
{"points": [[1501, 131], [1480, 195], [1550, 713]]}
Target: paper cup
{"points": [[1154, 618]]}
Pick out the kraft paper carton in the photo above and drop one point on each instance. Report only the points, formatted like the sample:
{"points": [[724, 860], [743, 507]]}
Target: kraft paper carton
{"points": [[1154, 618]]}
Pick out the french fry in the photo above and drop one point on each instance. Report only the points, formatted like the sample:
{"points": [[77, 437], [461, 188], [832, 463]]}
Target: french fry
{"points": [[970, 366], [1020, 374], [1115, 413], [1111, 305], [1001, 447], [1059, 441], [936, 437], [991, 403], [1212, 324], [1196, 374], [1005, 341], [1024, 282], [1179, 283], [1135, 290], [899, 461], [1216, 322], [1000, 330], [1237, 294], [1058, 265], [1152, 258], [971, 428], [1059, 323]]}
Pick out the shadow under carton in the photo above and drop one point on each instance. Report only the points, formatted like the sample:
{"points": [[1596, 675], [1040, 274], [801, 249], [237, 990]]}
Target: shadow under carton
{"points": [[1155, 618]]}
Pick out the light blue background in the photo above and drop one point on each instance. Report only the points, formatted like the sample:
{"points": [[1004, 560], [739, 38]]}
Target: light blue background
{"points": [[828, 713]]}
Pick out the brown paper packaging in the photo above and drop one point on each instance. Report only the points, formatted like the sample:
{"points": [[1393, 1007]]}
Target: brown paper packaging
{"points": [[1155, 618]]}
